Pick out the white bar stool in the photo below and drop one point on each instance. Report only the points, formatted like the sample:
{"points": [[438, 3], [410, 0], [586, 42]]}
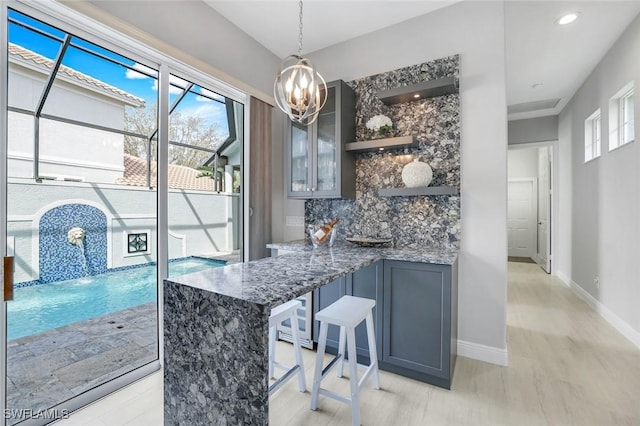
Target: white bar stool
{"points": [[278, 314], [347, 312]]}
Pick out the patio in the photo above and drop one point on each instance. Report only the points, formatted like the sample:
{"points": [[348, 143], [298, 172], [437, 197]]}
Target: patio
{"points": [[50, 367]]}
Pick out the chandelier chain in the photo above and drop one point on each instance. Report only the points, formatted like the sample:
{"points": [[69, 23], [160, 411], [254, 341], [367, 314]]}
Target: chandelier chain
{"points": [[300, 33]]}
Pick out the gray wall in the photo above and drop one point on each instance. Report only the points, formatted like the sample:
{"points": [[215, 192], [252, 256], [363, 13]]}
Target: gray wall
{"points": [[475, 31], [539, 129], [603, 218]]}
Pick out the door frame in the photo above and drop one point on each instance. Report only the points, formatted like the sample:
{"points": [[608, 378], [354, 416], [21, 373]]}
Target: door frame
{"points": [[3, 202], [553, 175], [534, 207]]}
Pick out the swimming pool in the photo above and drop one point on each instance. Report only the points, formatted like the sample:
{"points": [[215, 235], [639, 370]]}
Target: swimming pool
{"points": [[43, 307]]}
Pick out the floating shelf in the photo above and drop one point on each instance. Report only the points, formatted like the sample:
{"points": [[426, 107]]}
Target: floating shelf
{"points": [[383, 144], [426, 89], [427, 190]]}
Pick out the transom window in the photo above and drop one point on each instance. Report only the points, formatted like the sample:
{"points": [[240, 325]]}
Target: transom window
{"points": [[621, 120], [592, 136]]}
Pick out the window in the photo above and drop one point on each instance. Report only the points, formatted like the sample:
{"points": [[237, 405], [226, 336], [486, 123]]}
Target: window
{"points": [[626, 117], [621, 122], [137, 243], [592, 136]]}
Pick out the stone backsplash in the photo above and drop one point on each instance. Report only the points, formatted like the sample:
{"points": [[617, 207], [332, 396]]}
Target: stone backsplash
{"points": [[411, 221]]}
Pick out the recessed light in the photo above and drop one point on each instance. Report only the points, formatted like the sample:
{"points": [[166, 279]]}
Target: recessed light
{"points": [[568, 18], [417, 95], [381, 149]]}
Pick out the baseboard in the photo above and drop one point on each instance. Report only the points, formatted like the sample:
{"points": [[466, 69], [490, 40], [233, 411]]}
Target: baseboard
{"points": [[564, 278], [616, 322], [484, 353]]}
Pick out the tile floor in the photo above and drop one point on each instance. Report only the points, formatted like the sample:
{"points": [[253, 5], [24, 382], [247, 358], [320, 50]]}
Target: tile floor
{"points": [[49, 367], [567, 367]]}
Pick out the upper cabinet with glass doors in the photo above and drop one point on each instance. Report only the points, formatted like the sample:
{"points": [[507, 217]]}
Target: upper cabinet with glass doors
{"points": [[317, 164]]}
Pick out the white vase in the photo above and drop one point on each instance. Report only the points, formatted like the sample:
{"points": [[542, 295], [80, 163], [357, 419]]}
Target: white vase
{"points": [[417, 174]]}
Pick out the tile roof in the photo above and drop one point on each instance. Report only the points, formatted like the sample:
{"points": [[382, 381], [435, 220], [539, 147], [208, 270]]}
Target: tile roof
{"points": [[180, 177], [28, 55]]}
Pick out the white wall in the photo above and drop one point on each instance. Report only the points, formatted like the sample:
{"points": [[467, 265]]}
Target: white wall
{"points": [[199, 223], [65, 150], [604, 216], [475, 30], [522, 163]]}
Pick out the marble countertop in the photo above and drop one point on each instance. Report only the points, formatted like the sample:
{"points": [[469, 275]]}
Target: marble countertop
{"points": [[275, 280]]}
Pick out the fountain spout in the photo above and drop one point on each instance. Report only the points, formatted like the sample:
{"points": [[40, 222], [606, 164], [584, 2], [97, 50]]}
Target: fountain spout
{"points": [[76, 236]]}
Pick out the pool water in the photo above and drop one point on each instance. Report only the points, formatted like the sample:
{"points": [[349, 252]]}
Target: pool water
{"points": [[43, 307]]}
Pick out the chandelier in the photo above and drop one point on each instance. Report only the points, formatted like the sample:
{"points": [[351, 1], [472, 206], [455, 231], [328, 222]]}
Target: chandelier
{"points": [[299, 90]]}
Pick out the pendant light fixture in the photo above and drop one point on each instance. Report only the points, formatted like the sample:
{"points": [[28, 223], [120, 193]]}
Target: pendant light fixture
{"points": [[299, 90]]}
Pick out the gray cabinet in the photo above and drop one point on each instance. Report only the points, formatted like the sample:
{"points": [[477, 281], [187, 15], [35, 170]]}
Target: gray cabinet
{"points": [[367, 283], [420, 321], [323, 297], [317, 164], [415, 317]]}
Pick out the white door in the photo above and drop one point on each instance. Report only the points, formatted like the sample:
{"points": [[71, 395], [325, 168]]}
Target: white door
{"points": [[521, 218], [544, 208]]}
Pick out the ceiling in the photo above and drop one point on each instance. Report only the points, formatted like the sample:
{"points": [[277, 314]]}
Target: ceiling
{"points": [[545, 62]]}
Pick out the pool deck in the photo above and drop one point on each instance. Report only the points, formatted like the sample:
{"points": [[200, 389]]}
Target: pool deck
{"points": [[47, 368]]}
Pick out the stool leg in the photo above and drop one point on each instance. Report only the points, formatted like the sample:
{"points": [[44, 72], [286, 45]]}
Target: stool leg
{"points": [[371, 337], [295, 332], [341, 344], [353, 377], [317, 377], [272, 349]]}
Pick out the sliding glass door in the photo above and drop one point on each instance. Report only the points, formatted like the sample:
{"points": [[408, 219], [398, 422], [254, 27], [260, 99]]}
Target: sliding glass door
{"points": [[81, 222], [121, 169]]}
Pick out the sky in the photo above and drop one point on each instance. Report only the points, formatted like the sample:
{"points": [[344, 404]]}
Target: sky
{"points": [[129, 80]]}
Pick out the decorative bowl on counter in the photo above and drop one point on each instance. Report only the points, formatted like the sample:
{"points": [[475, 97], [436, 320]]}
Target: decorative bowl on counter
{"points": [[369, 241]]}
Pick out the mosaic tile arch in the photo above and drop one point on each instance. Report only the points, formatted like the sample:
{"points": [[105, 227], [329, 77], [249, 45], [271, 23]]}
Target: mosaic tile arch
{"points": [[63, 257], [418, 221]]}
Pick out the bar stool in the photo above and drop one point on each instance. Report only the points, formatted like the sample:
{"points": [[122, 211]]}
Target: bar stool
{"points": [[278, 315], [347, 313]]}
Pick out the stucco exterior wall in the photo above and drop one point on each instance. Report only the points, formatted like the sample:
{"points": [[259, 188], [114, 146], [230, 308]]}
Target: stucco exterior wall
{"points": [[200, 223]]}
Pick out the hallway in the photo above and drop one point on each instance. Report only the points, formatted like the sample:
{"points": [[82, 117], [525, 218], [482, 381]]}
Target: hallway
{"points": [[567, 366]]}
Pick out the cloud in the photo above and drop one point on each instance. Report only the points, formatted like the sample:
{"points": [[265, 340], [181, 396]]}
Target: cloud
{"points": [[210, 113], [135, 75], [172, 89]]}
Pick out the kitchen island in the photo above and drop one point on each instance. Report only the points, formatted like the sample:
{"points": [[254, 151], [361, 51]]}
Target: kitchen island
{"points": [[216, 326]]}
